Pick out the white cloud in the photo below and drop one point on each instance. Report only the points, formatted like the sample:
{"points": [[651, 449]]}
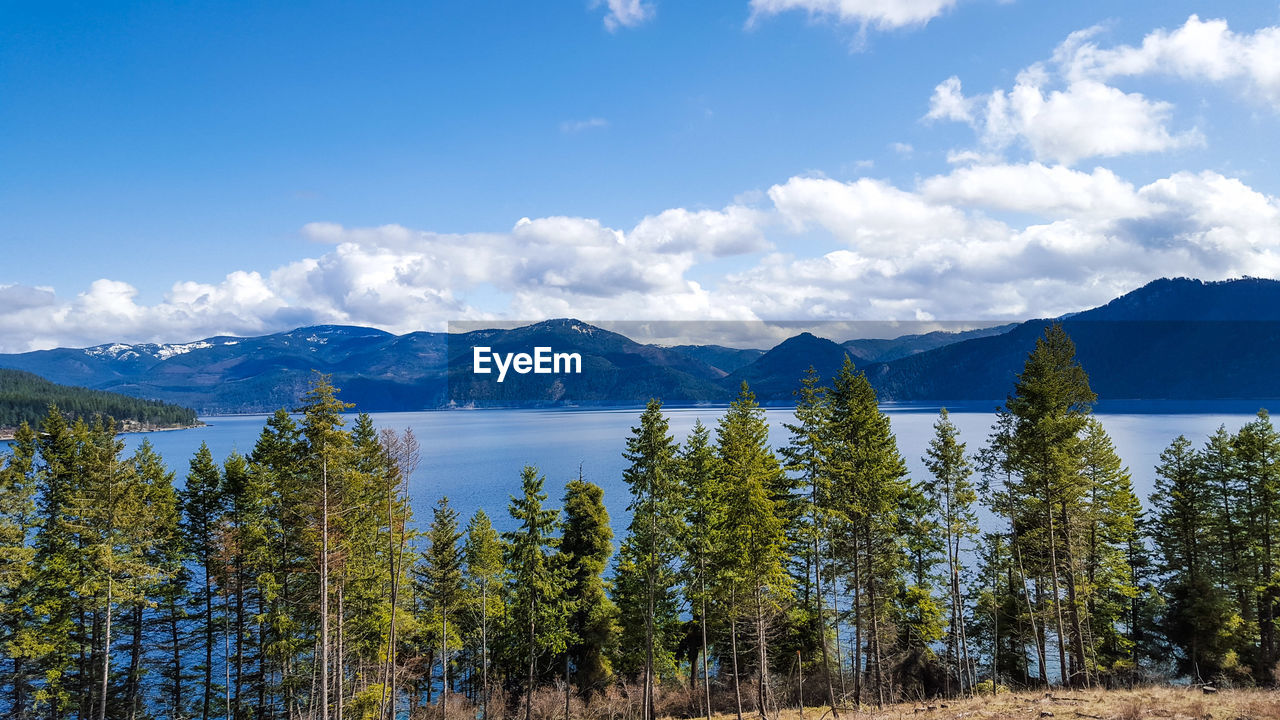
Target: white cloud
{"points": [[878, 14], [949, 103], [1199, 50], [873, 251], [625, 13], [1051, 191], [1068, 108], [570, 127], [1086, 119]]}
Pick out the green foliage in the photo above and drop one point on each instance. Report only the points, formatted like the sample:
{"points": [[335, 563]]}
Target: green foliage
{"points": [[271, 584], [25, 398], [585, 547], [538, 607]]}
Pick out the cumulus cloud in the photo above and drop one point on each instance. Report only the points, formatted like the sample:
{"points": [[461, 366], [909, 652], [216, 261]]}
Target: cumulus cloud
{"points": [[878, 14], [1035, 188], [625, 13], [1199, 50], [1069, 108], [1083, 119], [985, 241]]}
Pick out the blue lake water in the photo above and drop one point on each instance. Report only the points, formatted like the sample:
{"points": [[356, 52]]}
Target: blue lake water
{"points": [[475, 457]]}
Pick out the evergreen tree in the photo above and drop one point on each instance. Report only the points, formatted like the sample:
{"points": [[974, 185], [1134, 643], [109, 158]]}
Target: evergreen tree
{"points": [[651, 547], [1257, 459], [442, 578], [277, 461], [953, 496], [483, 555], [112, 521], [753, 543], [17, 521], [203, 507], [537, 605], [1108, 536], [1197, 616], [50, 644], [327, 466], [869, 488], [586, 546], [1039, 454], [700, 496], [165, 554], [805, 457]]}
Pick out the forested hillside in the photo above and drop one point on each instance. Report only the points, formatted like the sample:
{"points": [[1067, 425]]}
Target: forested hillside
{"points": [[291, 583], [25, 397]]}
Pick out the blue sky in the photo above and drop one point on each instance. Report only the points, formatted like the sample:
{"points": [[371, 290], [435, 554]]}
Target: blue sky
{"points": [[176, 170]]}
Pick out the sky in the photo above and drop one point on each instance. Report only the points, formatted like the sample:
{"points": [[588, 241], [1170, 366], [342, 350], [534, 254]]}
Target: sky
{"points": [[172, 171]]}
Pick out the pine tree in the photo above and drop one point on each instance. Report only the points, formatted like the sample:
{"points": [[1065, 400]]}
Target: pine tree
{"points": [[278, 462], [869, 486], [585, 548], [537, 605], [203, 507], [50, 644], [1257, 458], [327, 466], [700, 495], [442, 577], [953, 496], [483, 556], [1108, 537], [753, 535], [18, 520], [1038, 448], [805, 456], [112, 520], [651, 546], [1197, 614], [166, 553], [400, 455]]}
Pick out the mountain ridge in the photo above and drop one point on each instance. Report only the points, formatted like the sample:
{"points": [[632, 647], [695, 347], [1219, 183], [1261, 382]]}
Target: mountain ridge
{"points": [[1222, 333]]}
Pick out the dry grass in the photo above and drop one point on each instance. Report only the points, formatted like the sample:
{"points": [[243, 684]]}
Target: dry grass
{"points": [[1162, 703]]}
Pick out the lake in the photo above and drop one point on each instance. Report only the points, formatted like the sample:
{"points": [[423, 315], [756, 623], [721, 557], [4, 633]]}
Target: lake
{"points": [[474, 457]]}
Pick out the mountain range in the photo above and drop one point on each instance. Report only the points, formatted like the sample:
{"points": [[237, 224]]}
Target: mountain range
{"points": [[1178, 339]]}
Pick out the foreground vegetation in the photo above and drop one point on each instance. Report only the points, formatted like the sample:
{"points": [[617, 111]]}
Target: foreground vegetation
{"points": [[291, 583]]}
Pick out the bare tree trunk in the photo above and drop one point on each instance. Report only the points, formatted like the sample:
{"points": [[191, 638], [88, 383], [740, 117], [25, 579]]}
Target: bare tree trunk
{"points": [[106, 657], [133, 695], [444, 661], [875, 622], [208, 644], [176, 696], [733, 640], [822, 625], [484, 643], [324, 592], [528, 691], [340, 662], [762, 654], [1057, 593], [706, 677], [857, 623], [1031, 615], [240, 625]]}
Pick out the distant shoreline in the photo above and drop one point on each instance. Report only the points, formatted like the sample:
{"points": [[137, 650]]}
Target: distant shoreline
{"points": [[129, 429], [1131, 406]]}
